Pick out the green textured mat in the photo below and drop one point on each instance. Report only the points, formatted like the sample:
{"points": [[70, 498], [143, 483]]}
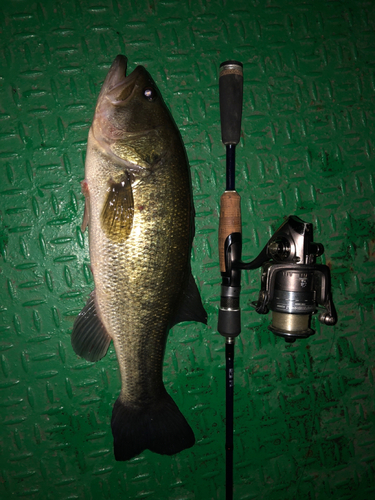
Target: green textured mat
{"points": [[304, 414]]}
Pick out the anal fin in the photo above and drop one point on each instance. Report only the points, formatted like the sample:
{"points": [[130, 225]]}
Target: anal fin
{"points": [[90, 339]]}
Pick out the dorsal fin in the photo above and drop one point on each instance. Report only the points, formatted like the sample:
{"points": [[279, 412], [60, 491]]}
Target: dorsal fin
{"points": [[190, 305]]}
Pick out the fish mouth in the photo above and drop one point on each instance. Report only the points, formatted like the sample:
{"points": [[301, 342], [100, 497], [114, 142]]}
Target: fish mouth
{"points": [[109, 125], [118, 87]]}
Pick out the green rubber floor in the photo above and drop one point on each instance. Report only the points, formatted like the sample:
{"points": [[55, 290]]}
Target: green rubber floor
{"points": [[304, 413]]}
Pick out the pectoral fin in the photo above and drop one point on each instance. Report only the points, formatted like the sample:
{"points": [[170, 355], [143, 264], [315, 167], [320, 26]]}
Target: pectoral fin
{"points": [[118, 210], [89, 336], [190, 305]]}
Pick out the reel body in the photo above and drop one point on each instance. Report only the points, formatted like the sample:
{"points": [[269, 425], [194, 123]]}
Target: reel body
{"points": [[293, 285]]}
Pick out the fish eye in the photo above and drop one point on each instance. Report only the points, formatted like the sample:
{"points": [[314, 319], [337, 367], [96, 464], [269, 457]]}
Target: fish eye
{"points": [[150, 93]]}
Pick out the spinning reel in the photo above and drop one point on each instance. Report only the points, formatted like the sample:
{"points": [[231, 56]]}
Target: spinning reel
{"points": [[293, 285]]}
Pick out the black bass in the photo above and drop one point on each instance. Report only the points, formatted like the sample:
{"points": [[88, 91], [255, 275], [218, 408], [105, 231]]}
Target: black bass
{"points": [[140, 216]]}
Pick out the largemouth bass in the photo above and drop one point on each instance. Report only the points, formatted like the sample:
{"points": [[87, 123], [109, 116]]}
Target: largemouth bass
{"points": [[139, 212]]}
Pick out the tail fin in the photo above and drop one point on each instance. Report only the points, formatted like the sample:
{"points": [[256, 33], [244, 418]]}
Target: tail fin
{"points": [[159, 427]]}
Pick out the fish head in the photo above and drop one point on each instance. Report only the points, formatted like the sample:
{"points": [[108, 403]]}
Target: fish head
{"points": [[131, 119]]}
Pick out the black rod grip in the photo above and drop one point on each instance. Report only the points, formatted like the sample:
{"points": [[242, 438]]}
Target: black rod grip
{"points": [[231, 96]]}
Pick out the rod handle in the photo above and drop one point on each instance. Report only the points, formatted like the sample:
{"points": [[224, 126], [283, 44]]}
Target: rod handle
{"points": [[230, 221], [231, 96]]}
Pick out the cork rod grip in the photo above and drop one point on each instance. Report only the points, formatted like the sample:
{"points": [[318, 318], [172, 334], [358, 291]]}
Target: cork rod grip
{"points": [[230, 221]]}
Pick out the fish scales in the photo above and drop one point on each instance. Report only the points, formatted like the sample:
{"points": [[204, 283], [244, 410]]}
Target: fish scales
{"points": [[140, 216], [147, 273]]}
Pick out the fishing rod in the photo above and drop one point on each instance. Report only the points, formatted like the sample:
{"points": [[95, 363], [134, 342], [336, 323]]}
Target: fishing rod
{"points": [[293, 285], [229, 322]]}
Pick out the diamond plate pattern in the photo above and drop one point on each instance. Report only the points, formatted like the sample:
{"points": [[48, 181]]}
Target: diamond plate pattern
{"points": [[304, 414]]}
